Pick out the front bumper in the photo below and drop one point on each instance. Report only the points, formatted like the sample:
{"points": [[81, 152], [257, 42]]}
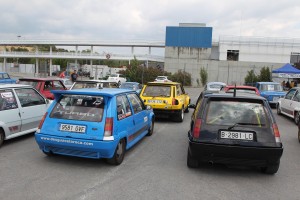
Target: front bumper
{"points": [[76, 147], [237, 155]]}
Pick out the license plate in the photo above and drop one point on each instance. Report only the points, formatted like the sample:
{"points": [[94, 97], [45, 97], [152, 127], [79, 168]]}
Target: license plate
{"points": [[275, 98], [236, 135], [72, 128], [154, 101]]}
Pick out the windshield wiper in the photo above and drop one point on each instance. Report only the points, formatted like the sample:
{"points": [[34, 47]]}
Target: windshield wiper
{"points": [[244, 123]]}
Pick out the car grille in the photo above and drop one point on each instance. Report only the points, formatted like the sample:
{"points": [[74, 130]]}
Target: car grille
{"points": [[72, 152]]}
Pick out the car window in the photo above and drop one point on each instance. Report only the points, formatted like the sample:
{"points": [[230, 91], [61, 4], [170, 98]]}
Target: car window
{"points": [[297, 97], [136, 103], [249, 91], [232, 112], [79, 107], [156, 91], [123, 107], [32, 83], [58, 85], [271, 87], [179, 91], [7, 100], [79, 85], [290, 94], [6, 76], [29, 97]]}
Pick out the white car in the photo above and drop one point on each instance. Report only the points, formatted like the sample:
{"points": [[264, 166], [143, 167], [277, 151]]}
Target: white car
{"points": [[162, 79], [118, 78], [94, 84], [289, 105], [21, 110], [214, 86]]}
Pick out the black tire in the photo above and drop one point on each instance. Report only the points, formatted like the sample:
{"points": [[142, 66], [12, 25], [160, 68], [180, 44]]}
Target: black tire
{"points": [[191, 163], [179, 116], [119, 154], [296, 118], [151, 128], [278, 109], [2, 136], [270, 169]]}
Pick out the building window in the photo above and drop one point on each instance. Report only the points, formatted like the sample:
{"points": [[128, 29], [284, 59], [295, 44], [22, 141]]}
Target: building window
{"points": [[233, 55]]}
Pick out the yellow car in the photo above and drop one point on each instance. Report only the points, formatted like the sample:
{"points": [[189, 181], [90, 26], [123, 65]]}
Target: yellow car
{"points": [[166, 98]]}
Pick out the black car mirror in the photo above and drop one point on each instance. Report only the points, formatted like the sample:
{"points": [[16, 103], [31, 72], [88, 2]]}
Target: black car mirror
{"points": [[192, 106]]}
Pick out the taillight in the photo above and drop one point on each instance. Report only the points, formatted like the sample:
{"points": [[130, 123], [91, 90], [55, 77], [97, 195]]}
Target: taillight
{"points": [[108, 129], [175, 102], [276, 133], [196, 129], [42, 122]]}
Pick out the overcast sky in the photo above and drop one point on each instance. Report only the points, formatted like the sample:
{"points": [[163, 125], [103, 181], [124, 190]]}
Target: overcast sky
{"points": [[137, 20]]}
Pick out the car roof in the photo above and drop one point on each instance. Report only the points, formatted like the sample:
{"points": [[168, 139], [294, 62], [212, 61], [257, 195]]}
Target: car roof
{"points": [[162, 83], [239, 95], [3, 73], [94, 91], [3, 86], [88, 81], [220, 83], [268, 83], [40, 79]]}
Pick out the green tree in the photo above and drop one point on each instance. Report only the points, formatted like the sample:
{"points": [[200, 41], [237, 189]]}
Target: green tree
{"points": [[203, 76], [251, 78], [182, 77], [265, 74]]}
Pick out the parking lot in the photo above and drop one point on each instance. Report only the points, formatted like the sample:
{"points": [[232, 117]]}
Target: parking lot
{"points": [[153, 169]]}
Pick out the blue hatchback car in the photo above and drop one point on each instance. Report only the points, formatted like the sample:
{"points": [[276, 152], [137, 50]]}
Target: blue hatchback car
{"points": [[94, 123], [272, 91]]}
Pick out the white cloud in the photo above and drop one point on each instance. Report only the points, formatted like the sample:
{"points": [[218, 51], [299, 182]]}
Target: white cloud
{"points": [[145, 20]]}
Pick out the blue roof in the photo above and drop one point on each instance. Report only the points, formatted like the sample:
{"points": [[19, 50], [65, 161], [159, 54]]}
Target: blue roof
{"points": [[93, 91], [288, 69]]}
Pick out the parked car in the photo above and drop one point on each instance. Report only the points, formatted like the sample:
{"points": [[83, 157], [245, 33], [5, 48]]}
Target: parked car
{"points": [[5, 78], [162, 79], [67, 82], [118, 78], [289, 105], [234, 129], [94, 84], [21, 109], [272, 91], [94, 123], [132, 86], [44, 85], [242, 89], [214, 86], [166, 98]]}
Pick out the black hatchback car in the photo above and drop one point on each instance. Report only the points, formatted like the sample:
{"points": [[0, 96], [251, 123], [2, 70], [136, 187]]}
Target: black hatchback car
{"points": [[234, 129]]}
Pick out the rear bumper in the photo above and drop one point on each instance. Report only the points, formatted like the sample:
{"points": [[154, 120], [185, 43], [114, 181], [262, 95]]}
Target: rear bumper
{"points": [[76, 147], [165, 112], [237, 155]]}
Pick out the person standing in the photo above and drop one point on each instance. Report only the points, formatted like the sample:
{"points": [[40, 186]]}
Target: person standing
{"points": [[74, 76], [62, 74]]}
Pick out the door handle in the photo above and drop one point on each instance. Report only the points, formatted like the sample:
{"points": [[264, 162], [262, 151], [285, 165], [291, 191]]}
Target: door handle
{"points": [[19, 114]]}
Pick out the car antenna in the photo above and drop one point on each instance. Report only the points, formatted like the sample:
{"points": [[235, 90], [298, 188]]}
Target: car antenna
{"points": [[234, 90]]}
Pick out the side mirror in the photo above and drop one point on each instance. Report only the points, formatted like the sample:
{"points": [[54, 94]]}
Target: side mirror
{"points": [[148, 107], [192, 106]]}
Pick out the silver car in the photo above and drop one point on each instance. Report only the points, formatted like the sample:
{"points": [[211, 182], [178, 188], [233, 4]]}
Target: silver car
{"points": [[21, 110]]}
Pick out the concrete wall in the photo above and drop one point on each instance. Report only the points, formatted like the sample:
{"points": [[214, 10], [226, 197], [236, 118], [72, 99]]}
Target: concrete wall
{"points": [[192, 60]]}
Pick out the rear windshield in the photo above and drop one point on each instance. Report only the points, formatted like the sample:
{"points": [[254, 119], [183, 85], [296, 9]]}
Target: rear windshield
{"points": [[216, 86], [79, 107], [271, 87], [249, 91], [128, 85], [232, 112], [161, 77], [79, 85], [109, 85], [32, 83], [156, 91]]}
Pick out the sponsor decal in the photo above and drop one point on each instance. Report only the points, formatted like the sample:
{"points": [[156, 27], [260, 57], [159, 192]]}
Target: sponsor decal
{"points": [[59, 140], [6, 95]]}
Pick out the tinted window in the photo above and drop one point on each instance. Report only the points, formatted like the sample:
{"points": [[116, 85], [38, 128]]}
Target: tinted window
{"points": [[136, 103], [7, 100], [231, 112], [79, 107], [155, 91], [250, 91], [297, 97], [290, 94], [29, 97], [79, 85], [58, 85], [123, 107]]}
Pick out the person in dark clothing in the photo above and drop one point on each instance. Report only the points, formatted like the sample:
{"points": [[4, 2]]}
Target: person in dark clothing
{"points": [[74, 76], [287, 85]]}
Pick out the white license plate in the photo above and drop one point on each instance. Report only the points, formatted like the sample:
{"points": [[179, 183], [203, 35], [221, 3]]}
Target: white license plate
{"points": [[72, 128], [275, 98], [236, 135], [154, 101]]}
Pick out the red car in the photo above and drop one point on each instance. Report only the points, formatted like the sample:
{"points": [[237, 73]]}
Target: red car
{"points": [[242, 89], [44, 85]]}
